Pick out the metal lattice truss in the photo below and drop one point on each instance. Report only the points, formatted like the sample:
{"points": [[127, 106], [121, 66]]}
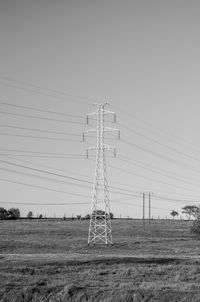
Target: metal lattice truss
{"points": [[100, 224]]}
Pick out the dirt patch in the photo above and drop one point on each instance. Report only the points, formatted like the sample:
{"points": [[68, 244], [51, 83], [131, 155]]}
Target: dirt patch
{"points": [[125, 260], [112, 260]]}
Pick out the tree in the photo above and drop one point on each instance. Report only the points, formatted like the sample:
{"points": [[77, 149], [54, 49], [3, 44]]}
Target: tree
{"points": [[174, 213], [111, 215], [14, 213], [30, 215], [40, 216], [191, 211], [3, 214], [101, 214]]}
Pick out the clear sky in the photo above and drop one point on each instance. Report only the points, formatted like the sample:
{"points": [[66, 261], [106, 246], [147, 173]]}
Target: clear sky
{"points": [[142, 57]]}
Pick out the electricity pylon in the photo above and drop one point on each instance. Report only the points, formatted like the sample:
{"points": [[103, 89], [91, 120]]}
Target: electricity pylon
{"points": [[100, 224]]}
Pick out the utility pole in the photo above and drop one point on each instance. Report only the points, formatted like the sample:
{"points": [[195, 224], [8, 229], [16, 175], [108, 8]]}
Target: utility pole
{"points": [[100, 224], [143, 211], [149, 209]]}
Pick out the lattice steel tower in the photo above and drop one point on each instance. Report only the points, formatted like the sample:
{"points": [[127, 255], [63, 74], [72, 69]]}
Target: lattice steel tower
{"points": [[100, 224]]}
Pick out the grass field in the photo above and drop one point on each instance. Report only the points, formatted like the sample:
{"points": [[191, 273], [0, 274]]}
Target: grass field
{"points": [[43, 260]]}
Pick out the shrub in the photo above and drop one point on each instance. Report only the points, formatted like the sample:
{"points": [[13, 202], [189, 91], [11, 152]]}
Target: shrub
{"points": [[30, 215], [195, 229], [13, 213], [3, 214]]}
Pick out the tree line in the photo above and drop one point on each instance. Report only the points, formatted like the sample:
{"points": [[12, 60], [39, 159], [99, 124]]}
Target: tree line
{"points": [[12, 214]]}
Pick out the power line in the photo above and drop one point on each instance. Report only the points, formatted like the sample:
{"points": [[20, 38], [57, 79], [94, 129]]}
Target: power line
{"points": [[118, 191], [74, 203], [48, 89], [75, 194], [40, 118], [40, 130], [155, 170], [45, 166], [155, 180], [42, 110], [82, 175], [160, 197], [161, 131], [152, 179], [159, 143], [139, 206], [44, 171], [160, 156], [41, 137], [46, 156], [67, 182], [45, 178], [44, 204], [44, 188], [63, 98], [39, 152]]}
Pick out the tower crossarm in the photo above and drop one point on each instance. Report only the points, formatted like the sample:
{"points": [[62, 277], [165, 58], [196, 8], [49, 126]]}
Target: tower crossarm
{"points": [[91, 130], [104, 146], [104, 111], [105, 130], [109, 129]]}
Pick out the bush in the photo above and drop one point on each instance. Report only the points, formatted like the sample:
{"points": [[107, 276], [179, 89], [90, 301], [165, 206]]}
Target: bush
{"points": [[13, 213], [3, 214], [30, 215], [195, 229]]}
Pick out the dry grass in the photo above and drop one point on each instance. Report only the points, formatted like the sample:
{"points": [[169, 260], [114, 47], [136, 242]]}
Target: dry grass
{"points": [[50, 261]]}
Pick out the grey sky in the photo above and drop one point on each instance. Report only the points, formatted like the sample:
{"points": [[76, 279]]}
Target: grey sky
{"points": [[143, 56]]}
